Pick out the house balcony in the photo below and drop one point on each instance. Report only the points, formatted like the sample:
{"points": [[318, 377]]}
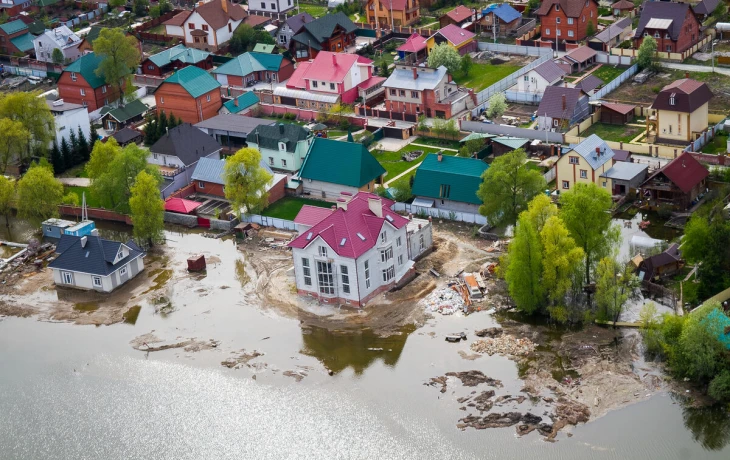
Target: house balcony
{"points": [[170, 171]]}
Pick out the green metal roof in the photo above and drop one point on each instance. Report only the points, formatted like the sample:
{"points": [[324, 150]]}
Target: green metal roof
{"points": [[511, 142], [473, 136], [245, 101], [23, 42], [263, 48], [36, 27], [13, 27], [462, 175], [179, 53], [129, 111], [93, 34], [47, 2], [86, 65], [338, 162], [247, 63], [194, 80]]}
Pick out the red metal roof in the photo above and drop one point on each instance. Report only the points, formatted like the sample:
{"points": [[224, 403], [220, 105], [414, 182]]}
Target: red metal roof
{"points": [[455, 34], [684, 171], [352, 232], [459, 13], [297, 78], [398, 5], [623, 109], [414, 44], [581, 54], [311, 215], [181, 206], [370, 82], [330, 67]]}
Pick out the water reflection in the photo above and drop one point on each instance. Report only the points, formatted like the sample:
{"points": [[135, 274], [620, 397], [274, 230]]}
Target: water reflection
{"points": [[710, 426], [338, 350]]}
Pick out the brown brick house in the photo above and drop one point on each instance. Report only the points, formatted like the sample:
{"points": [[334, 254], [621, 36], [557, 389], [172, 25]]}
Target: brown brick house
{"points": [[208, 179], [191, 94], [567, 20], [673, 25], [333, 32], [678, 183], [79, 84], [404, 12]]}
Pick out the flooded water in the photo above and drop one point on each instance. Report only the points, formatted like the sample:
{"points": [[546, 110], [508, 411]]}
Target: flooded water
{"points": [[70, 391]]}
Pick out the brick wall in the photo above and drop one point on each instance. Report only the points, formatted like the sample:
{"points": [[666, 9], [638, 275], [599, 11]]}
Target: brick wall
{"points": [[95, 213], [172, 98], [549, 21]]}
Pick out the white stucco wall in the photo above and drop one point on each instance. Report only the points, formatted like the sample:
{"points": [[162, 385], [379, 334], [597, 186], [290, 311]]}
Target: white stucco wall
{"points": [[70, 120], [332, 191], [535, 83]]}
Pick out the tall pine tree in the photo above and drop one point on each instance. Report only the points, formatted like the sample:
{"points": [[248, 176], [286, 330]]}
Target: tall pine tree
{"points": [[150, 131], [162, 125], [66, 154], [172, 121], [83, 146], [57, 159], [74, 144]]}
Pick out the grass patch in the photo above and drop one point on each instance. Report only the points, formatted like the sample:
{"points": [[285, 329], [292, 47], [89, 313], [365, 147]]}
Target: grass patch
{"points": [[393, 163], [282, 120], [76, 171], [608, 73], [483, 75], [90, 200], [334, 133], [717, 145], [315, 10], [616, 133], [289, 206], [158, 29], [436, 142]]}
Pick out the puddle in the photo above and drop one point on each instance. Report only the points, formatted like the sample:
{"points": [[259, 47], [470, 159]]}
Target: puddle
{"points": [[86, 306], [241, 274], [338, 350], [130, 316], [162, 276]]}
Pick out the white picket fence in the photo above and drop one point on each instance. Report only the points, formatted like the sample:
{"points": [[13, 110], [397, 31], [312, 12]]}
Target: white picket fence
{"points": [[265, 221], [440, 213]]}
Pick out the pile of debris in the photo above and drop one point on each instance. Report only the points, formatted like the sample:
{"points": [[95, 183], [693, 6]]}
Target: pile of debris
{"points": [[445, 301], [504, 345]]}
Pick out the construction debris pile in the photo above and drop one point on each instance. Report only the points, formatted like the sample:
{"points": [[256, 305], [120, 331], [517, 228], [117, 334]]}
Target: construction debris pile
{"points": [[446, 301], [504, 345]]}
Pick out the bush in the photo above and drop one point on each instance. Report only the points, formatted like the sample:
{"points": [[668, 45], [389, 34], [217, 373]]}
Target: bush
{"points": [[720, 386], [391, 46], [665, 211], [290, 116], [656, 89]]}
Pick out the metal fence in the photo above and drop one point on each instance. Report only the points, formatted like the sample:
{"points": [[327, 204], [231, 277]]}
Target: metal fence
{"points": [[615, 83], [501, 130], [86, 17], [605, 58], [550, 175], [523, 97], [265, 221], [441, 213], [696, 146]]}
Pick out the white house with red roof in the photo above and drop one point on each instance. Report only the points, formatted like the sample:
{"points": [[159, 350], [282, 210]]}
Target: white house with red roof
{"points": [[356, 250], [328, 79]]}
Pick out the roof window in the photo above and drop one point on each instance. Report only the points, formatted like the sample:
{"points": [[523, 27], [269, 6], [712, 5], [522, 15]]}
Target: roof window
{"points": [[359, 235]]}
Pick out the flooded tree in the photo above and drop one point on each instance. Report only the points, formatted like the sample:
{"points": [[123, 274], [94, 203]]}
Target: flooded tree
{"points": [[39, 194], [147, 209], [7, 194], [561, 258], [524, 266], [616, 284], [246, 181]]}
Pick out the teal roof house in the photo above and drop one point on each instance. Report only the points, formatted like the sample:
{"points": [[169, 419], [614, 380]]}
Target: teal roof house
{"points": [[449, 183]]}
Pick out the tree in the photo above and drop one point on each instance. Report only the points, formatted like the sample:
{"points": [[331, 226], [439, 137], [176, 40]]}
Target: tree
{"points": [[150, 131], [165, 6], [402, 189], [615, 285], [384, 68], [466, 64], [497, 105], [39, 194], [508, 186], [7, 193], [451, 129], [147, 209], [116, 3], [14, 139], [155, 12], [444, 55], [590, 28], [57, 159], [172, 121], [246, 181], [140, 7], [162, 126], [585, 211], [720, 386], [646, 57], [246, 37], [76, 157], [702, 353], [71, 199], [101, 157], [83, 146], [524, 266], [539, 210], [422, 124], [57, 56], [560, 259], [66, 154], [120, 57], [471, 147], [708, 241], [438, 127], [35, 115]]}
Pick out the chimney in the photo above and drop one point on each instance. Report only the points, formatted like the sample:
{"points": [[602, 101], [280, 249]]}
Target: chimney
{"points": [[83, 241], [224, 4], [440, 157], [565, 103], [281, 128], [598, 151], [235, 101], [376, 206], [566, 84], [686, 75], [333, 207], [334, 59], [342, 204], [415, 73]]}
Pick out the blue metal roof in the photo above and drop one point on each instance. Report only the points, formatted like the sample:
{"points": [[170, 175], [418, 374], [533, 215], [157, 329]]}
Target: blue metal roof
{"points": [[211, 170], [96, 257], [587, 149], [503, 11]]}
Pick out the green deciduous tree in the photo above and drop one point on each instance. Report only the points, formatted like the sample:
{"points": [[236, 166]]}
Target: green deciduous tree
{"points": [[586, 212], [560, 259], [497, 105], [147, 209], [246, 182], [140, 7], [524, 266], [402, 189], [508, 186], [39, 194], [35, 115], [616, 284], [646, 57], [539, 210], [590, 28], [57, 56], [707, 240], [444, 55], [7, 195], [13, 140], [466, 64], [471, 147], [120, 55], [246, 37], [702, 353], [71, 198]]}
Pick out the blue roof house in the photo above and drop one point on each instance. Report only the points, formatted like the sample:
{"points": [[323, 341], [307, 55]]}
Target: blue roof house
{"points": [[500, 19]]}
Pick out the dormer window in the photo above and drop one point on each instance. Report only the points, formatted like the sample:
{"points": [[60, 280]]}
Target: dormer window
{"points": [[282, 146], [672, 100], [557, 7], [656, 34], [120, 254]]}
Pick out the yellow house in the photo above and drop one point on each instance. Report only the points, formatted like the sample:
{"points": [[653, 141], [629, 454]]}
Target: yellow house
{"points": [[403, 12], [681, 110], [584, 164], [460, 39]]}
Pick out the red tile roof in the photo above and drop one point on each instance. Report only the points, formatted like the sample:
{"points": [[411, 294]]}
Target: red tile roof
{"points": [[455, 34], [311, 215], [213, 13], [414, 44], [459, 13], [397, 4], [684, 171], [623, 5], [180, 205], [571, 8], [331, 67], [352, 232]]}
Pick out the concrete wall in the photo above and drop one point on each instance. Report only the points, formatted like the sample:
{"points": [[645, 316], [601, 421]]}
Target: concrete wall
{"points": [[181, 219]]}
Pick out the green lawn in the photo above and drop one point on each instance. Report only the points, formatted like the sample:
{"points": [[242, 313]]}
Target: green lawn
{"points": [[90, 201], [289, 206], [483, 75], [315, 10], [393, 163], [436, 142], [335, 133], [158, 29], [608, 73], [718, 144], [616, 133]]}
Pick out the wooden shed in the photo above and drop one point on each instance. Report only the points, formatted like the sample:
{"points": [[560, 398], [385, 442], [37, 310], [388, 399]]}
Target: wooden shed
{"points": [[617, 114]]}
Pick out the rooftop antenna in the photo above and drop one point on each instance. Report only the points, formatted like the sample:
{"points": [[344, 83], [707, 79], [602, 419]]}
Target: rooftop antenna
{"points": [[84, 211]]}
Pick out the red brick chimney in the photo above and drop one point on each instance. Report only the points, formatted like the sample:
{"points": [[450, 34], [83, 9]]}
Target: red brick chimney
{"points": [[224, 4], [415, 73], [440, 157], [235, 101], [565, 103]]}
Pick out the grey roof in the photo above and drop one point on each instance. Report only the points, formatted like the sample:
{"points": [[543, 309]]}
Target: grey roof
{"points": [[624, 170], [512, 142], [550, 71], [587, 149], [403, 79], [268, 137], [589, 83], [675, 12], [95, 257], [551, 104], [61, 106], [125, 135], [63, 37], [186, 142], [211, 170], [614, 30], [705, 6], [297, 21], [234, 123]]}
